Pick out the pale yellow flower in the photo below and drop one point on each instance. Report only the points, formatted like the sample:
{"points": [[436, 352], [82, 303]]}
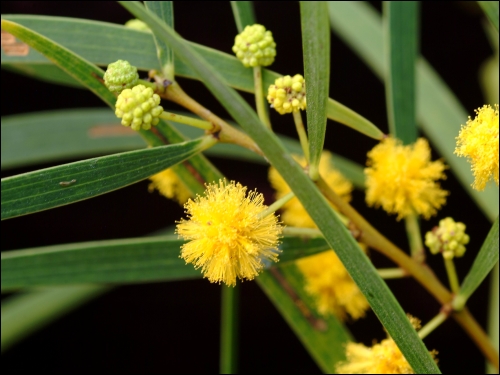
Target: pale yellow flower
{"points": [[169, 185], [293, 212], [402, 179], [227, 236], [383, 358], [478, 141], [334, 291]]}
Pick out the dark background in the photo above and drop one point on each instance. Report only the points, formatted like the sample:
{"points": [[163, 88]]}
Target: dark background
{"points": [[174, 327]]}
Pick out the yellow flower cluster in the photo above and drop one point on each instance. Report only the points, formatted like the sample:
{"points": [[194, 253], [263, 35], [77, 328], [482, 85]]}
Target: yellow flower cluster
{"points": [[255, 46], [169, 185], [402, 179], [449, 238], [293, 212], [334, 291], [288, 94], [139, 107], [228, 236], [478, 141], [383, 358], [326, 278]]}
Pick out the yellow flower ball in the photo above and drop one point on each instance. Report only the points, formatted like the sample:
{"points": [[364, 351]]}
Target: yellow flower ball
{"points": [[478, 141], [402, 179], [227, 236]]}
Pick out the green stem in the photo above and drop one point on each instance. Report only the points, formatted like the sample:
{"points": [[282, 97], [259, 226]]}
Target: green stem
{"points": [[229, 330], [392, 273], [200, 124], [452, 275], [301, 131], [259, 97], [432, 324], [415, 238], [277, 205], [302, 232]]}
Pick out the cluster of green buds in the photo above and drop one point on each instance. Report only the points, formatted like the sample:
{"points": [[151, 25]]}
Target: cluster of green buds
{"points": [[120, 75], [255, 46], [449, 238], [288, 94], [139, 107]]}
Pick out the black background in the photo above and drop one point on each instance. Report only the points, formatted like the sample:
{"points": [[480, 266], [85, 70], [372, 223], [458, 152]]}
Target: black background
{"points": [[174, 327]]}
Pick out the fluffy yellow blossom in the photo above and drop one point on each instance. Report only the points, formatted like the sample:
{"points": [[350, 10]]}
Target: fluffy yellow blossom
{"points": [[383, 358], [228, 237], [334, 291], [293, 212], [402, 179], [478, 141], [169, 185]]}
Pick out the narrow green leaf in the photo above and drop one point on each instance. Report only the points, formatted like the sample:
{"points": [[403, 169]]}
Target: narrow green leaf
{"points": [[87, 73], [118, 261], [490, 8], [95, 131], [337, 236], [44, 72], [25, 313], [401, 43], [164, 10], [137, 47], [323, 337], [483, 264], [243, 14], [439, 113], [316, 47], [73, 182]]}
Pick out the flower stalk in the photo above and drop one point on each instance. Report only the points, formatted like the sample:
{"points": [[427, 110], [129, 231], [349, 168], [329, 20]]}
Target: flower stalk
{"points": [[301, 131], [259, 97], [414, 237]]}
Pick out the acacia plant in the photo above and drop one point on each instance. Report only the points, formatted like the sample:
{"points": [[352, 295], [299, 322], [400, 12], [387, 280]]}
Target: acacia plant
{"points": [[229, 234]]}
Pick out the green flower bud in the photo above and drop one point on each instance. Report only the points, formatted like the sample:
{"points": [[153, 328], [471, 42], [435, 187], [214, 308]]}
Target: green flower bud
{"points": [[138, 107], [449, 238], [120, 75], [288, 94], [136, 24], [255, 46]]}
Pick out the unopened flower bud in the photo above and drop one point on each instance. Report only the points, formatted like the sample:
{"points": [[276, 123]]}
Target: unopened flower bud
{"points": [[138, 107], [255, 46], [120, 75], [449, 238]]}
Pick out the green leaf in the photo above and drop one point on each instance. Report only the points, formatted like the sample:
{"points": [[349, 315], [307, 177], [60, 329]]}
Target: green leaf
{"points": [[164, 10], [44, 72], [490, 8], [323, 337], [28, 312], [57, 186], [74, 133], [118, 42], [337, 236], [401, 43], [243, 14], [87, 73], [439, 113], [483, 264], [316, 47], [118, 261], [95, 131]]}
